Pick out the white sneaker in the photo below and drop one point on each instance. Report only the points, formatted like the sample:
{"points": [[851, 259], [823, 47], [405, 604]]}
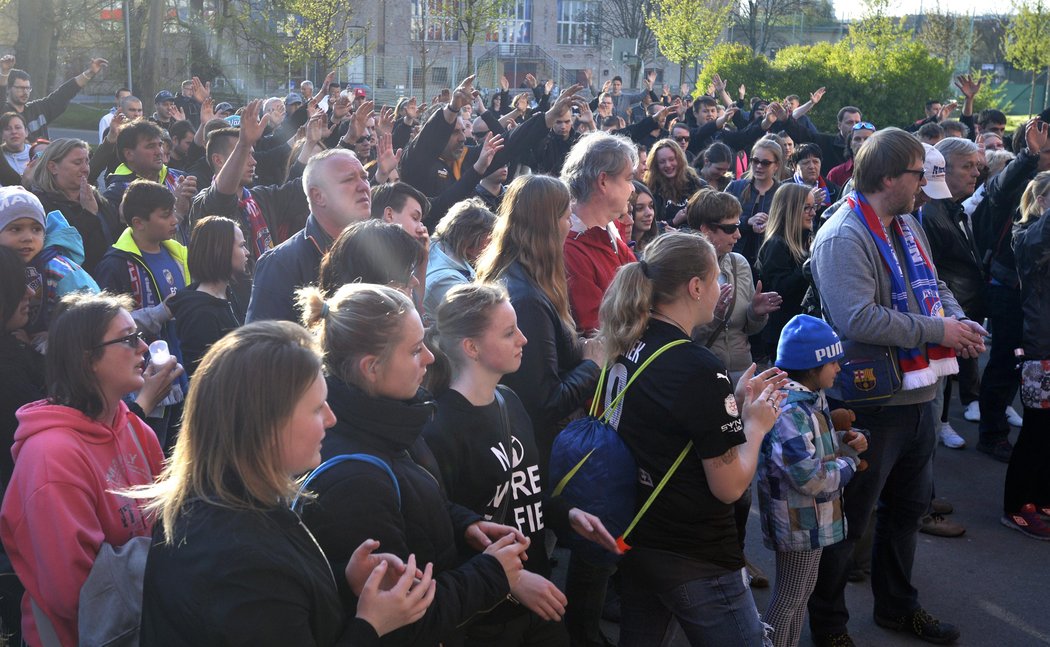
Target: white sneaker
{"points": [[949, 438], [973, 412], [1013, 417]]}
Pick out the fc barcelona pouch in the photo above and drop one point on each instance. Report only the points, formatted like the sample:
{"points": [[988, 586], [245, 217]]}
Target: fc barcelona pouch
{"points": [[870, 375]]}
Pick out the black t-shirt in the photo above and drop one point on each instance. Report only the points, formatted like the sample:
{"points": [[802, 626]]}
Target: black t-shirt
{"points": [[685, 394]]}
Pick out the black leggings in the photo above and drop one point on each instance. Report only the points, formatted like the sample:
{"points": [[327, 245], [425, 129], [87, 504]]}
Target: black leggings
{"points": [[1026, 477]]}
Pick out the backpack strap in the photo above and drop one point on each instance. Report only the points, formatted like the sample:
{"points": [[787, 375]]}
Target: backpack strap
{"points": [[342, 458]]}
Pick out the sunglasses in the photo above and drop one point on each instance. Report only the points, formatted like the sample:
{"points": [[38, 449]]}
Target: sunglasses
{"points": [[728, 230], [762, 163], [919, 172], [682, 138], [864, 125], [131, 341]]}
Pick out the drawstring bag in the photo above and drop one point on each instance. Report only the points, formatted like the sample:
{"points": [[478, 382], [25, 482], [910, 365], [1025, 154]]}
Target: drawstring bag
{"points": [[595, 471]]}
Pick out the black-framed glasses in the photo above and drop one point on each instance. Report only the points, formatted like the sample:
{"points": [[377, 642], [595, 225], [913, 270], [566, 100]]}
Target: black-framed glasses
{"points": [[762, 163], [131, 341], [809, 208], [682, 138], [728, 230], [863, 125], [23, 88], [921, 173]]}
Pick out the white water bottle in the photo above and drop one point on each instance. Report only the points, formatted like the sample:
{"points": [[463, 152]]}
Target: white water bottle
{"points": [[158, 353]]}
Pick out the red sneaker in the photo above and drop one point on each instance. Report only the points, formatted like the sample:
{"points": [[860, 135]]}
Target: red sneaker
{"points": [[1028, 521]]}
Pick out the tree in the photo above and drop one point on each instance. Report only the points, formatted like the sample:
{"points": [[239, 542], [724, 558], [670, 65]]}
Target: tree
{"points": [[478, 18], [321, 33], [754, 19], [947, 36], [627, 19], [34, 49], [1027, 42], [686, 30]]}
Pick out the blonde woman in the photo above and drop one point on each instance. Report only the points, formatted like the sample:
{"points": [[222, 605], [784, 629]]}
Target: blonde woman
{"points": [[755, 192]]}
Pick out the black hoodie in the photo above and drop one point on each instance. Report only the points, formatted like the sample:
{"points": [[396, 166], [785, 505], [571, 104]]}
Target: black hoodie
{"points": [[200, 321], [357, 501]]}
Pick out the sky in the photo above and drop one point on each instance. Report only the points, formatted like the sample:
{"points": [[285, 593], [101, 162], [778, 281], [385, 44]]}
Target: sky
{"points": [[849, 9]]}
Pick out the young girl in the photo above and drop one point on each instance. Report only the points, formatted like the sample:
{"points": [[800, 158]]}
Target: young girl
{"points": [[486, 450], [51, 250], [802, 471]]}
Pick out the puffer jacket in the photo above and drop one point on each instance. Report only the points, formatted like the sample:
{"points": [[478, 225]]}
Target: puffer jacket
{"points": [[801, 475]]}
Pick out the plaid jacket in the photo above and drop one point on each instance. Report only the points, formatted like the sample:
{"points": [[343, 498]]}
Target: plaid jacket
{"points": [[801, 476]]}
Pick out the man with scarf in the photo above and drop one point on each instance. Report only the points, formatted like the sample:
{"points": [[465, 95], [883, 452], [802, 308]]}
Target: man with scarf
{"points": [[878, 286]]}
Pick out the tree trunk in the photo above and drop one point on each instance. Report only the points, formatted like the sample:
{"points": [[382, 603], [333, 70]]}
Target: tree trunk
{"points": [[151, 81], [1031, 96], [36, 28]]}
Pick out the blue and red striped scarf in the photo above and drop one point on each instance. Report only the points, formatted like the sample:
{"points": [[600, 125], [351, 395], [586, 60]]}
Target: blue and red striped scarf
{"points": [[918, 370], [261, 240], [826, 200]]}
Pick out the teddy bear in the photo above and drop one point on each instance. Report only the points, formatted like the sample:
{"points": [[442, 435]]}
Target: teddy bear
{"points": [[842, 420]]}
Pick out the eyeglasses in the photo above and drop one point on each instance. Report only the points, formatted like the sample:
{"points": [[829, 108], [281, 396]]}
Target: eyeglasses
{"points": [[919, 172], [131, 341], [728, 230], [762, 163], [864, 125], [23, 88], [682, 138], [809, 208]]}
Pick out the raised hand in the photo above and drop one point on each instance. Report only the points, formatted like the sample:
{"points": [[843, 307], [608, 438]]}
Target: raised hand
{"points": [[97, 65], [741, 91], [317, 129], [530, 81], [177, 113], [548, 85], [493, 144], [504, 83], [386, 159], [817, 95], [463, 94], [7, 63], [561, 104], [207, 110], [340, 108], [359, 122], [718, 84], [385, 123], [650, 78], [1035, 135], [120, 120], [185, 189], [252, 126], [947, 109], [967, 85], [200, 91]]}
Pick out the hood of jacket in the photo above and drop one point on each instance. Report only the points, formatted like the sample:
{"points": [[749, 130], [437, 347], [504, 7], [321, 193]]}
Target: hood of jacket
{"points": [[41, 415], [798, 393], [59, 233], [378, 424]]}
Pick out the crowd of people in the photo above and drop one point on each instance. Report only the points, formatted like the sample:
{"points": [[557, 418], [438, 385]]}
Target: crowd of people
{"points": [[293, 372]]}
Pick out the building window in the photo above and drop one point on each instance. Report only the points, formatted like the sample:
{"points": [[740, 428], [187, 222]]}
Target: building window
{"points": [[516, 27], [439, 75], [435, 20], [578, 22]]}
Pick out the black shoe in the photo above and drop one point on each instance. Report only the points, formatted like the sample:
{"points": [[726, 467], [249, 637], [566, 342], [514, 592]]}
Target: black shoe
{"points": [[1000, 450], [923, 625], [833, 640]]}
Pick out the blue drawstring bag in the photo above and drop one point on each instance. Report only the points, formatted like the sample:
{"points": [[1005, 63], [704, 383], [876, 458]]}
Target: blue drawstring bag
{"points": [[596, 472]]}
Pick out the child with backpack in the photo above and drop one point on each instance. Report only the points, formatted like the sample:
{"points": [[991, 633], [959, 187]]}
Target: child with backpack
{"points": [[803, 467]]}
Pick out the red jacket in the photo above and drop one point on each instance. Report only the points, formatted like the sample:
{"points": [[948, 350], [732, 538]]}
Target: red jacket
{"points": [[591, 260], [841, 173]]}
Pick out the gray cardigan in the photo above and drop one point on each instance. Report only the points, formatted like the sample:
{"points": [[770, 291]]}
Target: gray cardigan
{"points": [[854, 287]]}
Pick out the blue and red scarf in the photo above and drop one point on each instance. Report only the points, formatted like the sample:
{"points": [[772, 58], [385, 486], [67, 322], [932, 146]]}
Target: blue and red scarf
{"points": [[252, 215], [826, 200], [918, 370]]}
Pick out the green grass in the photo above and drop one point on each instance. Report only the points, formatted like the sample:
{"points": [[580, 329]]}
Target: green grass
{"points": [[80, 117]]}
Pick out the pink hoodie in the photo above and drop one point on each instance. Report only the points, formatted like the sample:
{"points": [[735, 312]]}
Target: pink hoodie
{"points": [[59, 507]]}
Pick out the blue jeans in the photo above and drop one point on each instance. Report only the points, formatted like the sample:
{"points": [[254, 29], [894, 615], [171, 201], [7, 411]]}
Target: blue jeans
{"points": [[712, 611], [900, 479]]}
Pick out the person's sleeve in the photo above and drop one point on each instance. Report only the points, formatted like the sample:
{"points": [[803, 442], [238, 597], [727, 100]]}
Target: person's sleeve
{"points": [[778, 271], [640, 130], [425, 148], [699, 138], [585, 296], [792, 449], [491, 120], [284, 206], [53, 105], [287, 128], [460, 190], [971, 127], [8, 176], [53, 547], [720, 428], [539, 383], [519, 145], [103, 158], [744, 138], [745, 291], [401, 133], [843, 272], [211, 202], [273, 163], [271, 292]]}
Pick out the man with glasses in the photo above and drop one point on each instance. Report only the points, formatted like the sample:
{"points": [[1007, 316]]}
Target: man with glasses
{"points": [[40, 112], [871, 265]]}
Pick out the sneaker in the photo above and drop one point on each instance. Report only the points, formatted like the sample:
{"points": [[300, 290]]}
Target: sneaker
{"points": [[1000, 451], [950, 438], [757, 576], [921, 624], [1028, 521], [1013, 417], [973, 411], [936, 525], [941, 506], [833, 640]]}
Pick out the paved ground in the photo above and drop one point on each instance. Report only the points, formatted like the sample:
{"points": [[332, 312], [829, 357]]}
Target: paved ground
{"points": [[993, 583]]}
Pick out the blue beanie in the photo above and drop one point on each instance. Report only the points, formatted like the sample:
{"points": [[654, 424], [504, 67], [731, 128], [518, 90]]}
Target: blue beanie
{"points": [[807, 342]]}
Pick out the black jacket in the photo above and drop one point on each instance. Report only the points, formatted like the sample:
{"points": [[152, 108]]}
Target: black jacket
{"points": [[1032, 247], [241, 577], [954, 253], [98, 231], [357, 501], [284, 208], [554, 380], [200, 321], [994, 217], [21, 382], [781, 273], [39, 113], [832, 145], [549, 156]]}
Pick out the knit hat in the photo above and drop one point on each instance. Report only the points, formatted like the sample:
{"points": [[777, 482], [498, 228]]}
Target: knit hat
{"points": [[807, 342], [15, 203], [936, 187]]}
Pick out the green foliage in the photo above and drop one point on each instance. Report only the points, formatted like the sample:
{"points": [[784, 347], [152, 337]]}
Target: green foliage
{"points": [[990, 95], [686, 30], [878, 67], [1027, 40], [320, 33]]}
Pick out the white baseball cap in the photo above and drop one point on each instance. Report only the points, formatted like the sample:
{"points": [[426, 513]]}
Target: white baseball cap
{"points": [[936, 187]]}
